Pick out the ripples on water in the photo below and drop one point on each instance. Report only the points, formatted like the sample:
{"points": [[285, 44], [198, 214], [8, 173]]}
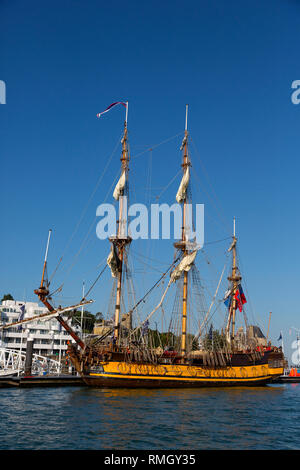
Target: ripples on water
{"points": [[86, 418]]}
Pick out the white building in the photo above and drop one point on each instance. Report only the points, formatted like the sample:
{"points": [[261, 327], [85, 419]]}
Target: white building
{"points": [[49, 337]]}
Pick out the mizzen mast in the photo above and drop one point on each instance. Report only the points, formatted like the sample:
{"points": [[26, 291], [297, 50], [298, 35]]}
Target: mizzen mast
{"points": [[235, 280]]}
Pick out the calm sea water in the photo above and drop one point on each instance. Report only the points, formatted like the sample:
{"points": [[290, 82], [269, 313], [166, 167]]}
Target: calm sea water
{"points": [[86, 418]]}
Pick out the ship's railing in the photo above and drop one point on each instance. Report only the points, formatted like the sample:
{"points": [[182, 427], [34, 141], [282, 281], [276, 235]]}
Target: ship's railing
{"points": [[14, 360]]}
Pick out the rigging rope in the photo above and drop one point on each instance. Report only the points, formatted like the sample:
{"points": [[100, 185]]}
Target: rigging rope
{"points": [[169, 184], [157, 307], [157, 145], [153, 287], [217, 241], [86, 207], [212, 302], [98, 277], [75, 257], [211, 186]]}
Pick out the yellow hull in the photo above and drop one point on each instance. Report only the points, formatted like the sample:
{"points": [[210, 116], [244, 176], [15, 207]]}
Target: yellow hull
{"points": [[122, 374]]}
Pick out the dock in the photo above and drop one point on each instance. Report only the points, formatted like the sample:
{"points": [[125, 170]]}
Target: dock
{"points": [[41, 381], [76, 381], [286, 379]]}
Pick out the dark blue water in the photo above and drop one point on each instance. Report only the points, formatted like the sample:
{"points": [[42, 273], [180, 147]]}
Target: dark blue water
{"points": [[85, 418]]}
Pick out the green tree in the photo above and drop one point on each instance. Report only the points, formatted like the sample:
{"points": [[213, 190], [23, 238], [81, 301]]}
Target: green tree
{"points": [[88, 320], [214, 340], [192, 342], [168, 339], [162, 339], [99, 316], [7, 297]]}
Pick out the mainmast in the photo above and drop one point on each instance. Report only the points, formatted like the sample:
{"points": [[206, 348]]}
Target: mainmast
{"points": [[121, 239], [182, 198], [185, 166]]}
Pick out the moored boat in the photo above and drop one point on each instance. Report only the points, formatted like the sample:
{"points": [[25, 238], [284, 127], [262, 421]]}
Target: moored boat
{"points": [[132, 362], [128, 356]]}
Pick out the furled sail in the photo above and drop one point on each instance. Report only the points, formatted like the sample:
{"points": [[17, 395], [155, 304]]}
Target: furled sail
{"points": [[120, 186], [113, 262], [184, 142], [232, 245], [181, 193], [184, 265]]}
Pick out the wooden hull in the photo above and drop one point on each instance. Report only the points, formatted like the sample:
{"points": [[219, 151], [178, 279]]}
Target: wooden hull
{"points": [[101, 382], [123, 375]]}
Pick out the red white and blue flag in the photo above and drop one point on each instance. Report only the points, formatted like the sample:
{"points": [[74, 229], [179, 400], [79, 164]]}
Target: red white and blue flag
{"points": [[240, 297], [228, 298], [111, 106]]}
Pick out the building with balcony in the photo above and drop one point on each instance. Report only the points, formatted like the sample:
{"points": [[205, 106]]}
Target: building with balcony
{"points": [[49, 338]]}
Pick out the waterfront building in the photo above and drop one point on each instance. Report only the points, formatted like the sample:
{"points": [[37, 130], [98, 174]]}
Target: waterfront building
{"points": [[49, 339]]}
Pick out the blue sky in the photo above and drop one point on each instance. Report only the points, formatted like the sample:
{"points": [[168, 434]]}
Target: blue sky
{"points": [[233, 62]]}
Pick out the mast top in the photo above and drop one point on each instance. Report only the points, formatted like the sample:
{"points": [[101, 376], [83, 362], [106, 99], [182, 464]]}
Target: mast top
{"points": [[126, 116], [185, 138], [186, 116], [47, 247]]}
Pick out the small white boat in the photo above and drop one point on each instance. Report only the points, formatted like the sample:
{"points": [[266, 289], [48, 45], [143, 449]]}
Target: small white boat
{"points": [[8, 373]]}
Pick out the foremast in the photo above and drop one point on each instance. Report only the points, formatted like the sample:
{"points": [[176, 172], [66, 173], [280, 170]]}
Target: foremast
{"points": [[121, 239], [119, 243]]}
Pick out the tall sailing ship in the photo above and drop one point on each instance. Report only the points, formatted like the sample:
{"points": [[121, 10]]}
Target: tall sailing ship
{"points": [[130, 356]]}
